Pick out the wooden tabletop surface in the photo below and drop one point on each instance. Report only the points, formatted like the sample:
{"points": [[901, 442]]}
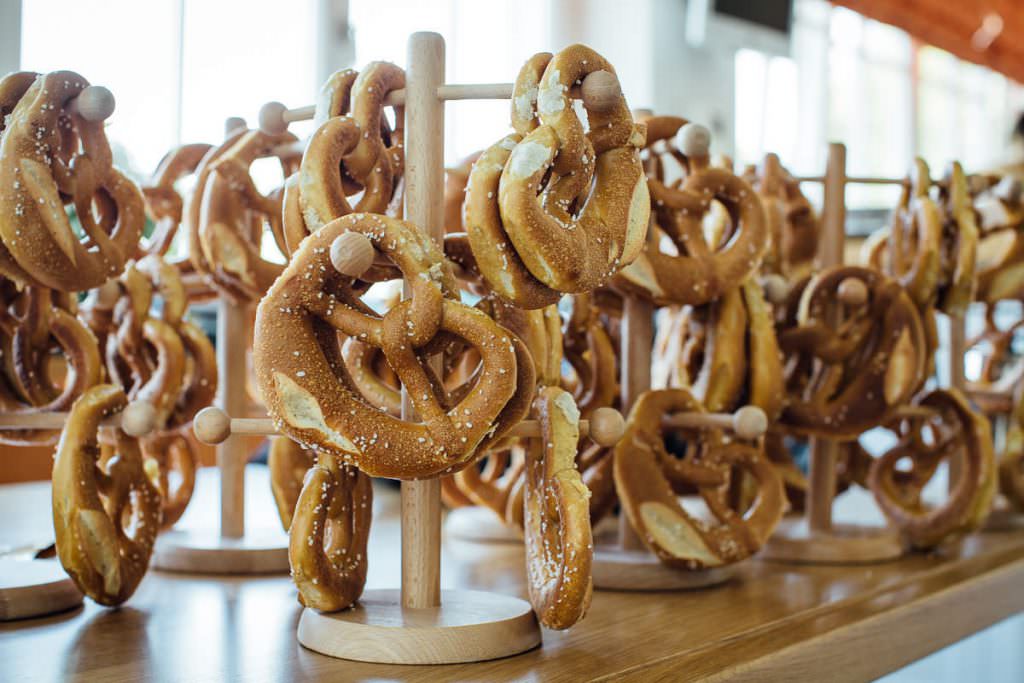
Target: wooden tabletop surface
{"points": [[775, 622]]}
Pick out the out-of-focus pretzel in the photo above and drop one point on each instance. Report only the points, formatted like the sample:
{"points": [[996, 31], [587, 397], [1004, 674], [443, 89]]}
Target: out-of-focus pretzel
{"points": [[589, 351], [171, 463], [647, 478], [12, 87], [328, 535], [105, 516], [233, 213], [288, 463], [32, 324], [163, 202], [792, 226], [1001, 372], [353, 150], [949, 429], [194, 201], [1011, 472], [703, 266], [960, 243], [848, 366], [553, 208], [559, 544], [456, 181], [309, 392], [51, 158]]}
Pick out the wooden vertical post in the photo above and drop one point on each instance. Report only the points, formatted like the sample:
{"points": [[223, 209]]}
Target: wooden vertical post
{"points": [[232, 319], [636, 337], [822, 480], [424, 207]]}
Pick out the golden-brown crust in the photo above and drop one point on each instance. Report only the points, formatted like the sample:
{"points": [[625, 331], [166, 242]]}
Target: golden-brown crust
{"points": [[288, 463], [166, 454]]}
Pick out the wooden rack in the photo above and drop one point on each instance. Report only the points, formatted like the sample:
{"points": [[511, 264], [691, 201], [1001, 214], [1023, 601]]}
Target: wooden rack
{"points": [[815, 539]]}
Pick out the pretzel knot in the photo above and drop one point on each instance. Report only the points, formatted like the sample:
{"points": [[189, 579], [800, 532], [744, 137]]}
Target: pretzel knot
{"points": [[32, 325], [105, 515], [288, 463], [354, 150], [50, 158], [648, 477], [328, 535], [559, 546], [792, 227], [552, 208], [310, 394], [953, 430], [702, 268], [847, 370]]}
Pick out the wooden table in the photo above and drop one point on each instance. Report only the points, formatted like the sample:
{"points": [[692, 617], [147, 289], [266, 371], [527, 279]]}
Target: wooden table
{"points": [[776, 622]]}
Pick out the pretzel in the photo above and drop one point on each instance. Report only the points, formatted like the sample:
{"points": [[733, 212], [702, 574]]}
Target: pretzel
{"points": [[701, 270], [456, 181], [352, 150], [27, 337], [364, 364], [589, 351], [328, 535], [953, 428], [50, 157], [308, 391], [288, 463], [792, 226], [569, 208], [164, 454], [105, 517], [993, 389], [495, 485], [163, 202], [647, 479], [845, 376], [1011, 473], [960, 243], [559, 545], [230, 225]]}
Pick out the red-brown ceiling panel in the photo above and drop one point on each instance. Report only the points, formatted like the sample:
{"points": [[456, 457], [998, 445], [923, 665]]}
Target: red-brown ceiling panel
{"points": [[987, 32]]}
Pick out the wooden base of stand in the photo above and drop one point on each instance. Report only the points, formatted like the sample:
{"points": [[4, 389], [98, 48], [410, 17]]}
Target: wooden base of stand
{"points": [[479, 525], [469, 626], [207, 552], [639, 570], [34, 588], [794, 542], [1004, 517]]}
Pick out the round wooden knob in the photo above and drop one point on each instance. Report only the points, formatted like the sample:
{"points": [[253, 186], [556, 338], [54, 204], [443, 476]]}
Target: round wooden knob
{"points": [[749, 422], [95, 103], [1009, 190], [694, 140], [600, 90], [607, 426], [643, 113], [776, 289], [106, 295], [138, 418], [212, 426], [272, 118], [853, 292], [352, 253], [233, 123]]}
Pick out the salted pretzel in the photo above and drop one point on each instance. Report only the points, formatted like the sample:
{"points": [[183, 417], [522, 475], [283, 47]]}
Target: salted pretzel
{"points": [[353, 150], [368, 370], [647, 478], [232, 215], [701, 268], [288, 463], [559, 545], [163, 202], [12, 87], [589, 351], [949, 428], [328, 535], [849, 366], [553, 208], [33, 324], [791, 224], [308, 391], [170, 462], [51, 158], [1000, 265], [105, 516]]}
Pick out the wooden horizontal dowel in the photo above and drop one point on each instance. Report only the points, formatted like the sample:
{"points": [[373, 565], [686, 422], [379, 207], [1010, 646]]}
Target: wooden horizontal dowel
{"points": [[749, 422], [137, 419]]}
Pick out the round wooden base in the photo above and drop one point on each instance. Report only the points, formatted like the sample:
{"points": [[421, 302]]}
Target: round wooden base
{"points": [[480, 525], [207, 552], [1004, 517], [794, 542], [34, 588], [469, 626], [639, 570]]}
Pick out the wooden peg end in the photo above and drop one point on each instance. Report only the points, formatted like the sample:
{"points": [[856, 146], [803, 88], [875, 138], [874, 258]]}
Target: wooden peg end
{"points": [[352, 253], [233, 123], [852, 292], [776, 289], [271, 118], [749, 422], [212, 426], [94, 103], [607, 426], [138, 418], [600, 90], [694, 140]]}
